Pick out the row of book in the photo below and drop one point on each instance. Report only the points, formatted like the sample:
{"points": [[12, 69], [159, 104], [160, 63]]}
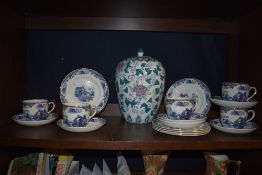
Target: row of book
{"points": [[41, 164], [54, 164]]}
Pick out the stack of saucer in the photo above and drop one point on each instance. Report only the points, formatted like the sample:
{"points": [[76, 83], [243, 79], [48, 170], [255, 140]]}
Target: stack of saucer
{"points": [[234, 105], [195, 126], [83, 93]]}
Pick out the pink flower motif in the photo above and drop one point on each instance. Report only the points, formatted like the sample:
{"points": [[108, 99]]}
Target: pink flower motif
{"points": [[140, 90], [120, 67]]}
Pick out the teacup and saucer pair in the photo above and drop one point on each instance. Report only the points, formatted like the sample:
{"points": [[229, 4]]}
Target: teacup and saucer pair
{"points": [[235, 121], [36, 112], [79, 117], [236, 95], [181, 113]]}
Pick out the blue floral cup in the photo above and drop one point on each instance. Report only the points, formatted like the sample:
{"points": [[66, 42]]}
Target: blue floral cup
{"points": [[235, 118], [78, 115], [237, 91], [37, 109], [180, 108]]}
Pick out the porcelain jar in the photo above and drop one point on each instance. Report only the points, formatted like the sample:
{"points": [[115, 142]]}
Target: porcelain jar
{"points": [[140, 82]]}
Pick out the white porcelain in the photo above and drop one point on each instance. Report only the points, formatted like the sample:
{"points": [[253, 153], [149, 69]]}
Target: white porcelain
{"points": [[140, 84], [192, 88], [203, 129], [37, 109], [248, 128], [180, 108], [237, 91], [235, 118], [21, 119], [94, 124], [78, 114], [85, 86], [232, 104], [195, 122]]}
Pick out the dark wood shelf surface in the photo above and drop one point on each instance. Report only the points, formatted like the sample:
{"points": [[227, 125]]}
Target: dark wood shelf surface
{"points": [[119, 135]]}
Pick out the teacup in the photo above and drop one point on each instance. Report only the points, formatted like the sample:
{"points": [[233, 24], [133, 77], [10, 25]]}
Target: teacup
{"points": [[37, 109], [237, 91], [77, 114], [180, 108], [235, 118]]}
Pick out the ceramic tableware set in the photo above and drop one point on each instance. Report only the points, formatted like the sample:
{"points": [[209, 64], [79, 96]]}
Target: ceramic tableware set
{"points": [[235, 113], [36, 112], [187, 103], [83, 94]]}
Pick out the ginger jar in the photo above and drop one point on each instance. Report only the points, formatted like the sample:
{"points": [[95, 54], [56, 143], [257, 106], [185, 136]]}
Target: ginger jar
{"points": [[140, 82]]}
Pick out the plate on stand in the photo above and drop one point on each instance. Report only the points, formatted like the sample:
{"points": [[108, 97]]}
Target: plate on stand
{"points": [[85, 86], [94, 124], [193, 88], [248, 128], [232, 104], [21, 119]]}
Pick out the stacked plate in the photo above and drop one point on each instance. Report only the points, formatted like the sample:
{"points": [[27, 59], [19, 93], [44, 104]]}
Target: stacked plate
{"points": [[84, 86], [194, 127], [163, 124]]}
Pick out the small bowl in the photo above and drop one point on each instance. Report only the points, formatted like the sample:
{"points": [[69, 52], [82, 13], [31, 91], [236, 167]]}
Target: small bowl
{"points": [[194, 122]]}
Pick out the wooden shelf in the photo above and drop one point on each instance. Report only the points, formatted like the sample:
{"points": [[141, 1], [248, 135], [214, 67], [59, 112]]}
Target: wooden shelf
{"points": [[119, 135]]}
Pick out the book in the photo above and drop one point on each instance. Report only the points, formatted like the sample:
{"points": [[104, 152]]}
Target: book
{"points": [[30, 164]]}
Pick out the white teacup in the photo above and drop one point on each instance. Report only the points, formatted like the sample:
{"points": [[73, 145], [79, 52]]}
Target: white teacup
{"points": [[235, 118], [77, 114], [237, 91], [180, 108], [37, 109]]}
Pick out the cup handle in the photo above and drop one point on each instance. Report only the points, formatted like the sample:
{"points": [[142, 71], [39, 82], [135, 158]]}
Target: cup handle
{"points": [[238, 163], [93, 110], [194, 105], [253, 115], [53, 106], [254, 93]]}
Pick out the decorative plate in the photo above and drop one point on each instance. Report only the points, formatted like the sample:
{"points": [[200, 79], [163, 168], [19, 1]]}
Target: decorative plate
{"points": [[23, 120], [193, 88], [85, 86], [232, 104], [94, 124], [249, 127], [203, 129]]}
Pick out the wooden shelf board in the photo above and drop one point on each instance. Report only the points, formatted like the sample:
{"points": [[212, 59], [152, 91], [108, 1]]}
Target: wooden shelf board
{"points": [[119, 135]]}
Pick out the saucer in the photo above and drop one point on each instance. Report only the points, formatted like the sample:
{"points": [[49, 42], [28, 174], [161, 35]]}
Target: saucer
{"points": [[94, 124], [195, 121], [249, 127], [85, 86], [193, 88], [22, 120], [232, 104]]}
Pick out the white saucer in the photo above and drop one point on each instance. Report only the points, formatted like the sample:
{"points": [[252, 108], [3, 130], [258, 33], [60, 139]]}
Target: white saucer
{"points": [[94, 124], [232, 104], [20, 119], [250, 127], [193, 88]]}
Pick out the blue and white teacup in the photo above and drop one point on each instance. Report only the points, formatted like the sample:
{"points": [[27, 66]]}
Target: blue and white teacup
{"points": [[78, 114], [180, 108], [235, 118], [37, 109], [237, 91]]}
